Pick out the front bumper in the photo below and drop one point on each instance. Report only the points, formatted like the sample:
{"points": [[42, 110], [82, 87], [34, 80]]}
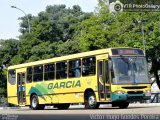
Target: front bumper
{"points": [[129, 97]]}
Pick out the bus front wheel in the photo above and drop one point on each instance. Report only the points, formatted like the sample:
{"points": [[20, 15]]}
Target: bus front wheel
{"points": [[90, 102], [35, 103]]}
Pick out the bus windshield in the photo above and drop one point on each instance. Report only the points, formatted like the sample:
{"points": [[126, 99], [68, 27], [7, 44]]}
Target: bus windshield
{"points": [[129, 70]]}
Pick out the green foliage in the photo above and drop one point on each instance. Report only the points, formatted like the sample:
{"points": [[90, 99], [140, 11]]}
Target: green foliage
{"points": [[8, 49], [24, 25], [52, 33], [68, 47], [3, 83]]}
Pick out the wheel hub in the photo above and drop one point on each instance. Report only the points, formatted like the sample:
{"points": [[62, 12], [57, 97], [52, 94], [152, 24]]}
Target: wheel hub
{"points": [[34, 102], [92, 101]]}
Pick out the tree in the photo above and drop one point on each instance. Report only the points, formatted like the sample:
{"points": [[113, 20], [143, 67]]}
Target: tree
{"points": [[68, 47], [53, 33], [8, 49], [24, 28], [123, 29]]}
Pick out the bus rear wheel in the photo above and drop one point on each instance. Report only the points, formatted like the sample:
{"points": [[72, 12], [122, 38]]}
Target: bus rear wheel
{"points": [[123, 105], [35, 103], [90, 102]]}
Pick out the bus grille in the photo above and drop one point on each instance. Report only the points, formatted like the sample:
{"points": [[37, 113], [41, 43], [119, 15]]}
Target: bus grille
{"points": [[135, 92]]}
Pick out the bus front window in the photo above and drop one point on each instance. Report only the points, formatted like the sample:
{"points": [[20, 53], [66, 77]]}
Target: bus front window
{"points": [[129, 70]]}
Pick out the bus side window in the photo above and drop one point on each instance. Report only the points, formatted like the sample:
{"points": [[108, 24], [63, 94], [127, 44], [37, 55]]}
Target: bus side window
{"points": [[38, 73], [75, 68], [61, 70], [29, 74], [12, 77], [49, 71], [88, 66]]}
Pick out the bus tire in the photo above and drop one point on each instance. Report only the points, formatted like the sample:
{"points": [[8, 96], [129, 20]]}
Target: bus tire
{"points": [[35, 103], [63, 106], [90, 102], [123, 105]]}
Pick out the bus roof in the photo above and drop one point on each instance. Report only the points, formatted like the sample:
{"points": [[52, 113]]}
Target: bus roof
{"points": [[67, 57], [62, 58]]}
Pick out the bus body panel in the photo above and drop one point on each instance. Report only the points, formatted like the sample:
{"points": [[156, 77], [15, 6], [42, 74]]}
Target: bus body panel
{"points": [[13, 100], [61, 91], [72, 90]]}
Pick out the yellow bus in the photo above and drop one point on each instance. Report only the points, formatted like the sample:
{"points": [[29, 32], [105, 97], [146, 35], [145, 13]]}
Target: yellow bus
{"points": [[114, 76]]}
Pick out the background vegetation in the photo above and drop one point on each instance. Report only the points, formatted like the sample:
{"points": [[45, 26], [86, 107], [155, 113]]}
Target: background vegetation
{"points": [[59, 31]]}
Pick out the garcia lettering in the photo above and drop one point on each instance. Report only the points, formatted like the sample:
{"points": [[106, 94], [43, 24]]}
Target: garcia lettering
{"points": [[68, 84]]}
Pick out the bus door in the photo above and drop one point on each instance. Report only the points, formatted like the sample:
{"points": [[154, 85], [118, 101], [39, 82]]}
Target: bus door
{"points": [[21, 88], [103, 80]]}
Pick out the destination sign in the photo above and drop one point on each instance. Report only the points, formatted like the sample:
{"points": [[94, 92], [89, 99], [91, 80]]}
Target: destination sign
{"points": [[127, 51]]}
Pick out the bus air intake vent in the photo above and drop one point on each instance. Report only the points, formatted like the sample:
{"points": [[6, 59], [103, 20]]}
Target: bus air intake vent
{"points": [[135, 87]]}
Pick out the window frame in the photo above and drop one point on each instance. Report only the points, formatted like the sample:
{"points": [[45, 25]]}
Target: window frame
{"points": [[44, 72], [73, 68], [27, 81], [88, 67], [61, 70], [38, 73]]}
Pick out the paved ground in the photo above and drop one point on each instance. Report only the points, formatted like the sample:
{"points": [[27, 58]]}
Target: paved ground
{"points": [[134, 111]]}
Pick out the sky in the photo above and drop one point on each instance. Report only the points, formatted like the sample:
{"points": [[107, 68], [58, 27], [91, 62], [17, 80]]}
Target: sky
{"points": [[9, 23]]}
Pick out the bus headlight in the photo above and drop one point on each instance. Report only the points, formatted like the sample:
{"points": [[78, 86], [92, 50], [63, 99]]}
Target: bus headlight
{"points": [[119, 92], [147, 93]]}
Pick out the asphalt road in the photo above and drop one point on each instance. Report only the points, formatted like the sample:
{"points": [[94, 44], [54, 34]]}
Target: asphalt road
{"points": [[136, 111]]}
